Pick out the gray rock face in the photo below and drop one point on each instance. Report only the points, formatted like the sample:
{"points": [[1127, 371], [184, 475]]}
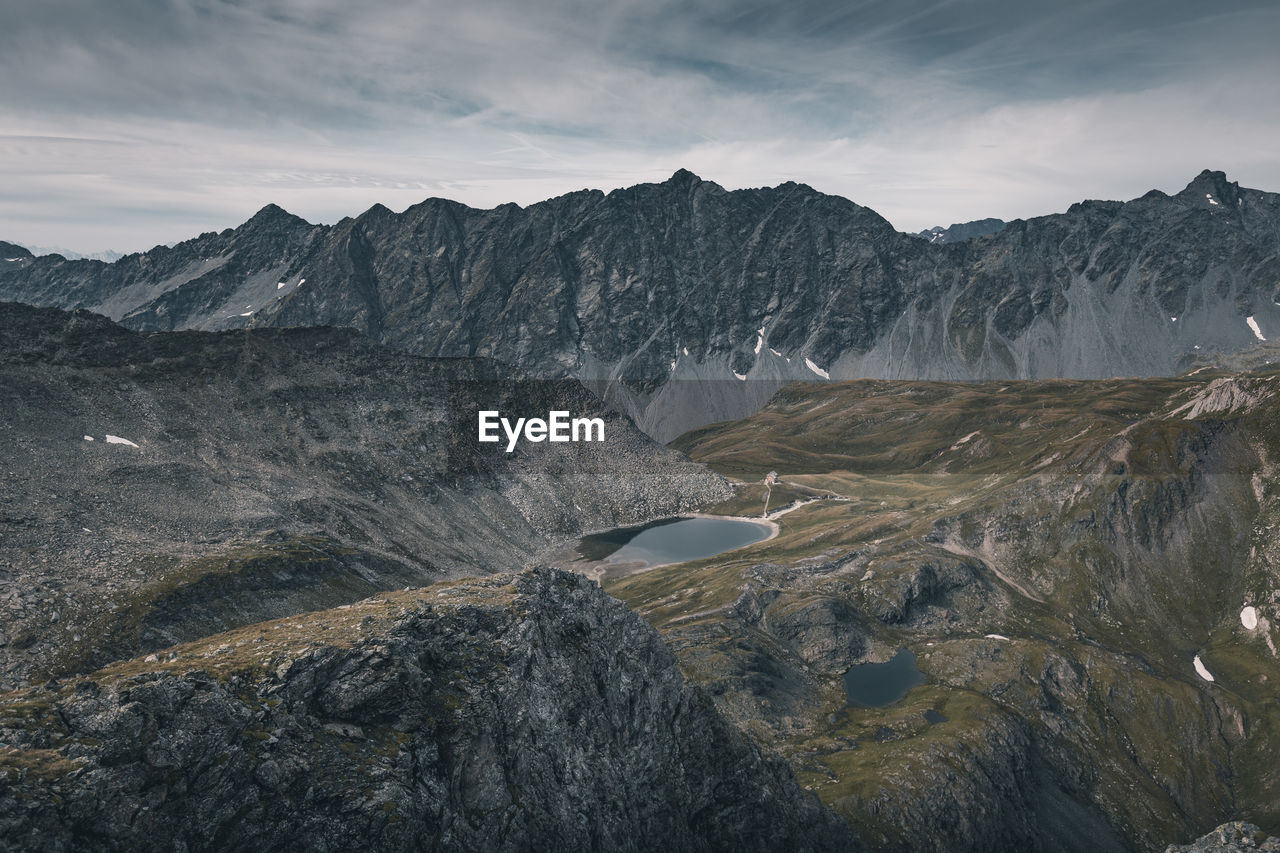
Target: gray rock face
{"points": [[525, 712], [1235, 837], [161, 487], [690, 304]]}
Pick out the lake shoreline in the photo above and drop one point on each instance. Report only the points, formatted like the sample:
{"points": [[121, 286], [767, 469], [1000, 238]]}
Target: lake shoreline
{"points": [[602, 570]]}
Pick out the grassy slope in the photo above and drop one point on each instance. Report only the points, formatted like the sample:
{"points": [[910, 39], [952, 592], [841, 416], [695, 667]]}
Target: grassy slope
{"points": [[1137, 531]]}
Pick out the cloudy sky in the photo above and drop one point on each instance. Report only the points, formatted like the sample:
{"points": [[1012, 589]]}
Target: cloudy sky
{"points": [[137, 122]]}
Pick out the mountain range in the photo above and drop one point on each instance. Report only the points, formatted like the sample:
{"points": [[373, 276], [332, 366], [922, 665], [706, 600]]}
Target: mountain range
{"points": [[109, 255], [232, 607], [261, 586], [684, 303]]}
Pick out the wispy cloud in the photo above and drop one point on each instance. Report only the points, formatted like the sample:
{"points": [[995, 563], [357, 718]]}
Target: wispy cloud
{"points": [[140, 121]]}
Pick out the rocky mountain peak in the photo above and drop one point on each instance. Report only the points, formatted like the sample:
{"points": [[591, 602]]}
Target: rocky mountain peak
{"points": [[683, 177], [1210, 188], [273, 215], [807, 286], [377, 211]]}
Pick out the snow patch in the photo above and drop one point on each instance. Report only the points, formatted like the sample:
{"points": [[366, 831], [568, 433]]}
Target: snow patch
{"points": [[1173, 319], [740, 376], [1253, 324], [1249, 617], [673, 365], [301, 282], [1200, 670], [685, 350], [998, 637], [115, 439], [775, 352], [282, 285], [816, 369], [13, 260], [759, 339], [247, 314], [1212, 200]]}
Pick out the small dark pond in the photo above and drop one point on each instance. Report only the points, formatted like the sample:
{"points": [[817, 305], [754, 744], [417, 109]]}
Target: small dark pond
{"points": [[875, 685], [672, 540]]}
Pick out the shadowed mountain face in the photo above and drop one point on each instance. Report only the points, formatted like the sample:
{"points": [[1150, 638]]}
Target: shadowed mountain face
{"points": [[163, 486], [691, 304]]}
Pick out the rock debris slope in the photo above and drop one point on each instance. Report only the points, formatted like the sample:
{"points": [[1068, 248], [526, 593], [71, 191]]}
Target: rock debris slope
{"points": [[518, 712], [164, 486], [693, 303]]}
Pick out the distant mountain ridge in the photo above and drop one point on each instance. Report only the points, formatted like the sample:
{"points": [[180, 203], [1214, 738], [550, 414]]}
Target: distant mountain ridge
{"points": [[962, 231], [109, 256], [685, 303]]}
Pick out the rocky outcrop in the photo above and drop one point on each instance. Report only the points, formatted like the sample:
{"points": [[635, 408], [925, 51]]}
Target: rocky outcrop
{"points": [[518, 712], [1235, 837], [689, 304]]}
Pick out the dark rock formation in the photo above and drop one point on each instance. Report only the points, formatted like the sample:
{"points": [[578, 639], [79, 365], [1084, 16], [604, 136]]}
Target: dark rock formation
{"points": [[667, 293], [525, 712]]}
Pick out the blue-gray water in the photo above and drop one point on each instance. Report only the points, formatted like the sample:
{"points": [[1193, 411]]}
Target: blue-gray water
{"points": [[875, 685], [672, 540]]}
